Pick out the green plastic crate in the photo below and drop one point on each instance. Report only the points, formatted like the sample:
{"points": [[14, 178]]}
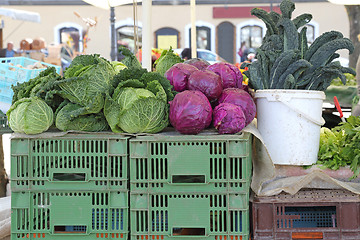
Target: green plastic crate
{"points": [[70, 162], [172, 162], [189, 216], [69, 215]]}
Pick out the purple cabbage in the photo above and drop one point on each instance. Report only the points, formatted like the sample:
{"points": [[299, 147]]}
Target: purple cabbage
{"points": [[230, 75], [228, 118], [206, 82], [178, 75], [190, 112], [199, 63], [240, 98]]}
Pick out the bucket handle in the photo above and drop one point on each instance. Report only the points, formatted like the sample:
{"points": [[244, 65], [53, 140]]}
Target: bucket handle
{"points": [[311, 119]]}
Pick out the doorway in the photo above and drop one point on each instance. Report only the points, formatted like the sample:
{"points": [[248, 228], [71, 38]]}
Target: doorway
{"points": [[226, 41]]}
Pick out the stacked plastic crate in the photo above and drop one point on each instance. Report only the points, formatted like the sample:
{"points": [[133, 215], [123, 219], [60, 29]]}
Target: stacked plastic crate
{"points": [[308, 214], [73, 186], [196, 187]]}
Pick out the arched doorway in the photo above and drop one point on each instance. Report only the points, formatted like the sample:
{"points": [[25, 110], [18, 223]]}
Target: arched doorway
{"points": [[167, 37], [226, 41]]}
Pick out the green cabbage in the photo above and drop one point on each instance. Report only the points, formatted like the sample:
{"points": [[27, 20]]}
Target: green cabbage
{"points": [[30, 116], [167, 59], [128, 58], [85, 87], [136, 107], [75, 117]]}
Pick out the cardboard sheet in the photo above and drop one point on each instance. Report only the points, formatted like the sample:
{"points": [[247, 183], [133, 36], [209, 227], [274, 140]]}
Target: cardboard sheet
{"points": [[5, 220], [269, 179]]}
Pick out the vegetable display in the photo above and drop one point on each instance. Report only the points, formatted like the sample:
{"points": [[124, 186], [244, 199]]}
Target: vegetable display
{"points": [[340, 146], [96, 95], [233, 105], [284, 60]]}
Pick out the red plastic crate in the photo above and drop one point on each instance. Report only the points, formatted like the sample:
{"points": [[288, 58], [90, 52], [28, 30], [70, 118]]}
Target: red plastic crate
{"points": [[309, 214]]}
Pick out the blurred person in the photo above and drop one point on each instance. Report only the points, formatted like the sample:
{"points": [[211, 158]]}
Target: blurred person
{"points": [[186, 53], [243, 52], [8, 51]]}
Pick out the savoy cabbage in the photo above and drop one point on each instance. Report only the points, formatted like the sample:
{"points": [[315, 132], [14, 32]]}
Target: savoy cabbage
{"points": [[137, 107], [30, 116]]}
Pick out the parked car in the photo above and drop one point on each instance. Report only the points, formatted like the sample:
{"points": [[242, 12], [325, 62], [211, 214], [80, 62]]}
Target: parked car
{"points": [[205, 54]]}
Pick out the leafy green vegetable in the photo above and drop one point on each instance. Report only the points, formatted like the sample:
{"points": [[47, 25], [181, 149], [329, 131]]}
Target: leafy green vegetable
{"points": [[75, 117], [151, 76], [340, 146], [118, 66], [285, 44], [350, 80], [41, 86], [128, 58], [89, 87], [126, 74], [86, 83], [137, 106], [86, 60], [166, 60], [30, 116]]}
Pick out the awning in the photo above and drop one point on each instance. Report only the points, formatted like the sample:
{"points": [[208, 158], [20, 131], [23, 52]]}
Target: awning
{"points": [[109, 3], [20, 15]]}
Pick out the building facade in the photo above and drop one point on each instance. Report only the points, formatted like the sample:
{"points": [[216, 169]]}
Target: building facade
{"points": [[221, 25]]}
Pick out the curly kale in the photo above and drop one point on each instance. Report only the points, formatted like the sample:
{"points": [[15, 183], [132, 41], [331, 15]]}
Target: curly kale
{"points": [[42, 86]]}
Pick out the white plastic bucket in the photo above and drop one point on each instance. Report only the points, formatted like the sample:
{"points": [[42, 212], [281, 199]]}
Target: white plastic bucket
{"points": [[289, 122]]}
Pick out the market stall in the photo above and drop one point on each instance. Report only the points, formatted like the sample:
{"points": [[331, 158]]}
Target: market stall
{"points": [[187, 150]]}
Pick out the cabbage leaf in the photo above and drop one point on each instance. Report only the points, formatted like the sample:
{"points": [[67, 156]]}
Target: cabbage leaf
{"points": [[75, 117]]}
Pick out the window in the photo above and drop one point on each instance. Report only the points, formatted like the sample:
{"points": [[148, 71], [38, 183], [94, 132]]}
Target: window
{"points": [[252, 35], [252, 32], [70, 34], [205, 35], [125, 36], [166, 37]]}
